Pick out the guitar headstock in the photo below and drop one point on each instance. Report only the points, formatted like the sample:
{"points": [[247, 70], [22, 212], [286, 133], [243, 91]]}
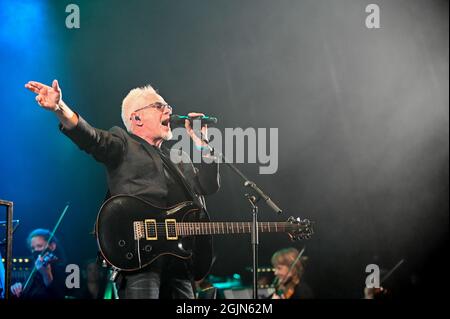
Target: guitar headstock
{"points": [[300, 228]]}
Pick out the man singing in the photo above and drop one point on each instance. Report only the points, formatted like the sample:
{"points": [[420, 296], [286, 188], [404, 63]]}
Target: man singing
{"points": [[136, 164]]}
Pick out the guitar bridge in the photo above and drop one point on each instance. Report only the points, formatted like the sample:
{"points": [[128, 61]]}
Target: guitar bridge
{"points": [[138, 228]]}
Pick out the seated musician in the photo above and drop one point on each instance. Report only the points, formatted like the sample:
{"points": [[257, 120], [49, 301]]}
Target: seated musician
{"points": [[289, 270], [48, 281]]}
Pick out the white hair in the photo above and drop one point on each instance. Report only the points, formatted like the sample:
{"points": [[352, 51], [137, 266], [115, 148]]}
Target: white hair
{"points": [[134, 100]]}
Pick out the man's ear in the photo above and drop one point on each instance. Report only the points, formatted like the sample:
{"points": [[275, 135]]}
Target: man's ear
{"points": [[136, 119]]}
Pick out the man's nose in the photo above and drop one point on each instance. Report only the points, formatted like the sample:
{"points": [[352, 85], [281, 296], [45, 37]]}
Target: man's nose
{"points": [[167, 110]]}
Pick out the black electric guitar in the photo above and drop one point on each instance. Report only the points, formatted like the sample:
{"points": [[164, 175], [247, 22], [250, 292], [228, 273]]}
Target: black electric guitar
{"points": [[132, 233]]}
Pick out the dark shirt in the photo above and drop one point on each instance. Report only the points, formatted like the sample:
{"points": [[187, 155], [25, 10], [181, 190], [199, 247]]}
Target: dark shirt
{"points": [[177, 193], [57, 288], [302, 291]]}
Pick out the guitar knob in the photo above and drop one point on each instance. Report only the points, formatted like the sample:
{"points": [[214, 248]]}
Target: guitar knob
{"points": [[129, 256], [148, 248], [122, 243]]}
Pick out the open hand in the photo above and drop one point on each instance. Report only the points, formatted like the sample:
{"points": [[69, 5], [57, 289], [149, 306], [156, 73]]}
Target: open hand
{"points": [[47, 97], [16, 289]]}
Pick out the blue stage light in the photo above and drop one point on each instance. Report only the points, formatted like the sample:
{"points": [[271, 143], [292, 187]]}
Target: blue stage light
{"points": [[22, 21]]}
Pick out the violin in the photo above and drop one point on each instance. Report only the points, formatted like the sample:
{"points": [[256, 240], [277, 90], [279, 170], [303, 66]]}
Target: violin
{"points": [[286, 290], [47, 258]]}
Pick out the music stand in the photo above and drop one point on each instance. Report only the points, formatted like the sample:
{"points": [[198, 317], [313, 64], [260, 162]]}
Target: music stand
{"points": [[9, 239]]}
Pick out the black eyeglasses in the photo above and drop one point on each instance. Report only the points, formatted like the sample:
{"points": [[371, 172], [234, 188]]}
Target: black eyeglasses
{"points": [[158, 105]]}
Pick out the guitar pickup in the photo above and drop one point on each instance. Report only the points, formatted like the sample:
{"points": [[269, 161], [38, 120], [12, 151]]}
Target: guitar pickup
{"points": [[138, 228], [171, 229], [151, 232]]}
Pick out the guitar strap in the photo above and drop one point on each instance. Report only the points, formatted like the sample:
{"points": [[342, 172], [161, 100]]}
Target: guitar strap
{"points": [[176, 173], [172, 169]]}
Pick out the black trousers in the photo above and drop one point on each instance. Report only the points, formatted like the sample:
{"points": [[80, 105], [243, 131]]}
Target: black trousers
{"points": [[167, 278]]}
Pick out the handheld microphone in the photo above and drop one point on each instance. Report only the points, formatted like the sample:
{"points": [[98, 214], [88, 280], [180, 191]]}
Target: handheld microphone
{"points": [[179, 119]]}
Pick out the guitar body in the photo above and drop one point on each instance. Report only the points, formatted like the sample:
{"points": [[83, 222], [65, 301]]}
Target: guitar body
{"points": [[133, 233]]}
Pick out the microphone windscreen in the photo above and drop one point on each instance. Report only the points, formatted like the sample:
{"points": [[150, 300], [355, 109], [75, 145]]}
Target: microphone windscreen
{"points": [[179, 119]]}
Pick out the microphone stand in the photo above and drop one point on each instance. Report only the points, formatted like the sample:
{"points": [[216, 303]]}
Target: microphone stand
{"points": [[253, 200]]}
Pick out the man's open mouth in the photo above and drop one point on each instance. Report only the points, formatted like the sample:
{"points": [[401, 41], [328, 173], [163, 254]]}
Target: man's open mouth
{"points": [[166, 122]]}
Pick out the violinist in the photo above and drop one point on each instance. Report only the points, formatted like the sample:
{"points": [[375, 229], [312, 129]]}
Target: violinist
{"points": [[48, 281], [289, 270]]}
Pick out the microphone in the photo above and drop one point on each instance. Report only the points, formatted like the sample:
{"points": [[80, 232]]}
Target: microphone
{"points": [[179, 119]]}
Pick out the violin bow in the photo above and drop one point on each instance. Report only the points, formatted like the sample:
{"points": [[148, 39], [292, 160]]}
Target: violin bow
{"points": [[52, 234], [391, 271]]}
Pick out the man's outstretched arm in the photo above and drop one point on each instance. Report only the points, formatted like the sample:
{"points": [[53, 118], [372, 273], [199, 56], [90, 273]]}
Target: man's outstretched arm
{"points": [[50, 98], [106, 147]]}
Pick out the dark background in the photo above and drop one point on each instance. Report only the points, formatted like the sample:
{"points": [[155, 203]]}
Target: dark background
{"points": [[362, 117]]}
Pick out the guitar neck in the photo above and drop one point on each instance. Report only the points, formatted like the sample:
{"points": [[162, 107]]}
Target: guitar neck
{"points": [[218, 228]]}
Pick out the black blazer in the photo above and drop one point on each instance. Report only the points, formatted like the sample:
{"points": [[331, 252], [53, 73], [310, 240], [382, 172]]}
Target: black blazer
{"points": [[134, 167]]}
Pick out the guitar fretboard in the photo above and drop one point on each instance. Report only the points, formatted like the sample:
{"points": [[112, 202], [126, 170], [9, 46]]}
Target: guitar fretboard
{"points": [[217, 228]]}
